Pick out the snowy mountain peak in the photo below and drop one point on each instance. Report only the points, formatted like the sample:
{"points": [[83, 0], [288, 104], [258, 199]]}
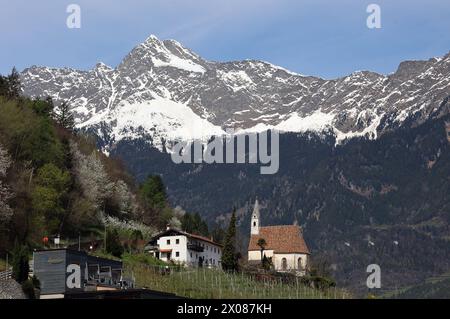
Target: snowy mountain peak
{"points": [[163, 91], [151, 38], [154, 53], [102, 67]]}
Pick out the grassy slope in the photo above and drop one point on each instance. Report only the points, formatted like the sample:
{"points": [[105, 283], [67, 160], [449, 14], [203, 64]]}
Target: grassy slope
{"points": [[432, 288], [216, 284]]}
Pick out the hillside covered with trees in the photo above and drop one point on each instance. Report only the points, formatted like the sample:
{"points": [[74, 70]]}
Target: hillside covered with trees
{"points": [[54, 182]]}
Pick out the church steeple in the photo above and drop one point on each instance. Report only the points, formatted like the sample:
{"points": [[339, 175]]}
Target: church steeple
{"points": [[255, 219]]}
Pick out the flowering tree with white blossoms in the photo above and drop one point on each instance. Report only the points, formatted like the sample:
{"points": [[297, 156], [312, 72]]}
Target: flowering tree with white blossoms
{"points": [[92, 176], [5, 193]]}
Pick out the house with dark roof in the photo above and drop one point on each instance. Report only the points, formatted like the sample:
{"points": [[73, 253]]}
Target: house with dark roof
{"points": [[283, 245], [184, 248]]}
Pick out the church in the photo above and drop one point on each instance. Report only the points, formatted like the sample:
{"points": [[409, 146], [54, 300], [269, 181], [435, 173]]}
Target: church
{"points": [[283, 245]]}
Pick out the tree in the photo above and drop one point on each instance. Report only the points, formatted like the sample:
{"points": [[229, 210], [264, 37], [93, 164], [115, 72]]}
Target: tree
{"points": [[262, 245], [153, 199], [3, 85], [229, 256], [43, 107], [153, 192], [135, 237], [10, 85], [123, 197], [5, 193], [49, 195], [20, 265], [91, 176], [64, 117], [218, 233], [194, 224], [28, 135], [113, 245], [14, 85]]}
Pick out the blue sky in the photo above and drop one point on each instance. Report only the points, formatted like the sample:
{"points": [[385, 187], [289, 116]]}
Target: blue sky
{"points": [[327, 38]]}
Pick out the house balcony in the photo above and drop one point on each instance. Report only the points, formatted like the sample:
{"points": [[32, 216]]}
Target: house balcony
{"points": [[151, 248], [195, 247]]}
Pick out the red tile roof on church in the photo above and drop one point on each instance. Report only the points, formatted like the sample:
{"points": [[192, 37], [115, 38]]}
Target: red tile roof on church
{"points": [[280, 239]]}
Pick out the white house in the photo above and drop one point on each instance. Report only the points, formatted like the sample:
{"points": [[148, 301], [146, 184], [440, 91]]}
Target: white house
{"points": [[285, 245], [184, 248]]}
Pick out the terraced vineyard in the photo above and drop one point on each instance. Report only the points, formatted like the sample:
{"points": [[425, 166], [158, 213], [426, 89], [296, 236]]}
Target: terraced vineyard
{"points": [[210, 283]]}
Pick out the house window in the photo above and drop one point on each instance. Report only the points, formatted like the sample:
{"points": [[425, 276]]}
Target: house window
{"points": [[177, 241], [284, 264], [177, 254], [168, 241]]}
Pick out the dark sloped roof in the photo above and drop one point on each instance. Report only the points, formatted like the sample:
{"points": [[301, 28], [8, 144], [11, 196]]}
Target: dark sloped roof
{"points": [[174, 231], [280, 239]]}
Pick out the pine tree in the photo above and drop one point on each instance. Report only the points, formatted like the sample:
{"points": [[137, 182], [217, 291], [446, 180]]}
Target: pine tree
{"points": [[153, 199], [153, 192], [229, 256], [14, 85], [3, 85], [194, 224], [10, 85], [65, 117]]}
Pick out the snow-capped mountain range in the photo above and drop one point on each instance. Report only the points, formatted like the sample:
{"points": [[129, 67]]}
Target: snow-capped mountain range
{"points": [[163, 92]]}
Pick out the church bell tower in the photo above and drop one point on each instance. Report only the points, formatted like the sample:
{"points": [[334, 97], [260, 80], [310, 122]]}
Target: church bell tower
{"points": [[254, 229]]}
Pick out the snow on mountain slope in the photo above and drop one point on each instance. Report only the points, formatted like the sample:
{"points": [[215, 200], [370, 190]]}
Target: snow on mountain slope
{"points": [[162, 91], [160, 118]]}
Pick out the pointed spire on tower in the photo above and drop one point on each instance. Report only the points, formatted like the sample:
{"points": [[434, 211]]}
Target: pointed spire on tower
{"points": [[255, 219], [256, 208]]}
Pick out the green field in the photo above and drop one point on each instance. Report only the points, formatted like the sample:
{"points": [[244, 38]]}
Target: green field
{"points": [[216, 284]]}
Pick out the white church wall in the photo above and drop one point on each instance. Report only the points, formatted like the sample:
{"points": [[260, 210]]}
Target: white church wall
{"points": [[256, 254], [291, 261]]}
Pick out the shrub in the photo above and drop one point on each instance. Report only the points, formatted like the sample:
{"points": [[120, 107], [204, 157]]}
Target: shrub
{"points": [[28, 289], [20, 264]]}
